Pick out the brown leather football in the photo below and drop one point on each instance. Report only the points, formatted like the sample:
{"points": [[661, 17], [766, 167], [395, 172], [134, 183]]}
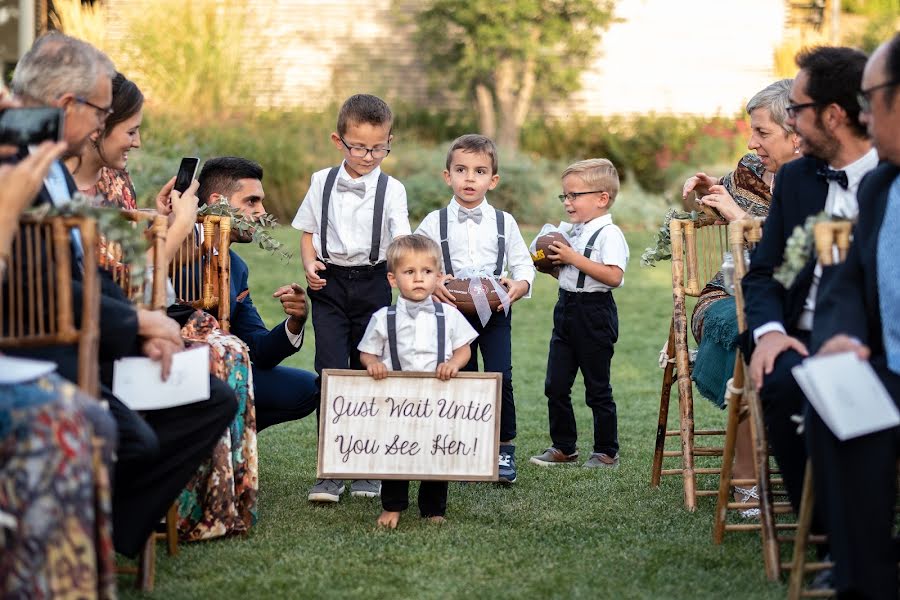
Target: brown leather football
{"points": [[542, 249], [459, 289]]}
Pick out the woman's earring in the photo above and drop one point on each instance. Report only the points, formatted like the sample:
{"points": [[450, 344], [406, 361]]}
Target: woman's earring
{"points": [[796, 150]]}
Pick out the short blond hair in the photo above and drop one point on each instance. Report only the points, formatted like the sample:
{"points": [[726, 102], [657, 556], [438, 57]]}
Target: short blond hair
{"points": [[597, 172], [415, 243]]}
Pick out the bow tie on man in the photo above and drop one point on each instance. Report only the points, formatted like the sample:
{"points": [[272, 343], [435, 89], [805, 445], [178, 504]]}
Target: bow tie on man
{"points": [[414, 308], [829, 174], [474, 214], [354, 187]]}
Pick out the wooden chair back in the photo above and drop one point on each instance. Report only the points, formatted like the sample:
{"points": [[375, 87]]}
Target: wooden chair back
{"points": [[201, 271], [145, 291], [744, 234], [36, 304], [697, 250], [832, 241]]}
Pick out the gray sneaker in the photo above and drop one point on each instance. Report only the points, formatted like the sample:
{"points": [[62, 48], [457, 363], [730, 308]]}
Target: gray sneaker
{"points": [[365, 488], [598, 460], [553, 456], [326, 490]]}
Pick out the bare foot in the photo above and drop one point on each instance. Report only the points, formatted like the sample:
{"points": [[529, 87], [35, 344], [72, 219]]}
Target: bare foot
{"points": [[437, 520], [388, 519]]}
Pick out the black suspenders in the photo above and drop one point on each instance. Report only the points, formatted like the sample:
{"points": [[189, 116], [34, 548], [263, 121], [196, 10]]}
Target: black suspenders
{"points": [[501, 241], [378, 215], [587, 252], [392, 334]]}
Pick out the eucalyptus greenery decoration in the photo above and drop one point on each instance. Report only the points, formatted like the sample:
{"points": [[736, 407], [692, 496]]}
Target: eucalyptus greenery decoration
{"points": [[662, 249], [799, 249], [259, 228]]}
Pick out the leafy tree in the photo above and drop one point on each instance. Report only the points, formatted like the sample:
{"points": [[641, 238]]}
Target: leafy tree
{"points": [[507, 55]]}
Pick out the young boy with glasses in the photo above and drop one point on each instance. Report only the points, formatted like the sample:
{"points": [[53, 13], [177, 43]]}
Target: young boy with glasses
{"points": [[476, 238], [585, 320], [348, 218]]}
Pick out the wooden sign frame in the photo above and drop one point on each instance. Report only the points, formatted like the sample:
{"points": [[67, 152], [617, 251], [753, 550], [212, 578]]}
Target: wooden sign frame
{"points": [[331, 379]]}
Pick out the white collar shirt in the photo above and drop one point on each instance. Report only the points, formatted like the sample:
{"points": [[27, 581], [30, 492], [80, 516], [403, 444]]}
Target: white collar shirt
{"points": [[610, 248], [416, 337], [475, 245], [350, 218]]}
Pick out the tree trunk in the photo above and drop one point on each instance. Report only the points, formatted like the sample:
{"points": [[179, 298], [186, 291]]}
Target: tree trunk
{"points": [[487, 116], [507, 133]]}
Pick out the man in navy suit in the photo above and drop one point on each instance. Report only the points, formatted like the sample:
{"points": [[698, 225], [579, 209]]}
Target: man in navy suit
{"points": [[857, 310], [281, 393], [824, 113]]}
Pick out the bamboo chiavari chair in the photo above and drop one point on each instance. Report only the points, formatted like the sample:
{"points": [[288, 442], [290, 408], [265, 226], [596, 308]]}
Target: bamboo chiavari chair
{"points": [[697, 250], [830, 237], [201, 273], [743, 398], [36, 304]]}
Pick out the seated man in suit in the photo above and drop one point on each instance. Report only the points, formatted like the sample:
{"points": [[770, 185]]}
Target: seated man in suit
{"points": [[156, 454], [859, 310], [824, 113], [281, 393]]}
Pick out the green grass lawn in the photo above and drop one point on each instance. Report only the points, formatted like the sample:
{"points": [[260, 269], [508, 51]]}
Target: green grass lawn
{"points": [[558, 533]]}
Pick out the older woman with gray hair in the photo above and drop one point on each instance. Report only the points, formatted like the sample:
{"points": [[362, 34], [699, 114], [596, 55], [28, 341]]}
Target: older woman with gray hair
{"points": [[743, 193]]}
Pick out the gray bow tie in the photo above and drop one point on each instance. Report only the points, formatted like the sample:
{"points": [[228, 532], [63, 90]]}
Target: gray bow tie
{"points": [[474, 214], [576, 230], [358, 188], [414, 308]]}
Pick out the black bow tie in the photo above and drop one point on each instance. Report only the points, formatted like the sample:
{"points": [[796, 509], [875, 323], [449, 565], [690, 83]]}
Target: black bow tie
{"points": [[839, 177]]}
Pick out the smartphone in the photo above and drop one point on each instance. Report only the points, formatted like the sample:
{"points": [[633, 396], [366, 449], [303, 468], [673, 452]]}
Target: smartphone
{"points": [[25, 127], [186, 173]]}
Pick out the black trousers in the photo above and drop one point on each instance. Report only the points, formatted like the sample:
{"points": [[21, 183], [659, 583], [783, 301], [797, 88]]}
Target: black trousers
{"points": [[495, 342], [432, 497], [856, 488], [585, 328], [158, 453], [341, 312]]}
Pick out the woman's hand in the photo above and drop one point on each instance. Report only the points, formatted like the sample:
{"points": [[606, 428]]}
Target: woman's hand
{"points": [[184, 205], [719, 199], [163, 205], [700, 183]]}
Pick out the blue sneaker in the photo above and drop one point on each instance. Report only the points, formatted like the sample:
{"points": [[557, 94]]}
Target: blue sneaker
{"points": [[507, 463]]}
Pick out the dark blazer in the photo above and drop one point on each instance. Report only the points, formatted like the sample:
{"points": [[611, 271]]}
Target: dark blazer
{"points": [[798, 193], [267, 347], [848, 300]]}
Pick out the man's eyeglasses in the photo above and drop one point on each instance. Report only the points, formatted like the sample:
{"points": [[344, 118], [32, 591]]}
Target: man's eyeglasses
{"points": [[793, 109], [104, 111], [864, 97], [572, 196], [361, 151]]}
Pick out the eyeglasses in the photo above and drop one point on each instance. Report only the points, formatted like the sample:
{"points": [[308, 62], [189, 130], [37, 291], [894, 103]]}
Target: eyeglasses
{"points": [[793, 109], [361, 151], [104, 111], [572, 196], [863, 97]]}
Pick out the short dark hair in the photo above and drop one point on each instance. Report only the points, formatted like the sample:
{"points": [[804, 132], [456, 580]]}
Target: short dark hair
{"points": [[833, 77], [477, 144], [221, 175], [892, 66], [364, 108]]}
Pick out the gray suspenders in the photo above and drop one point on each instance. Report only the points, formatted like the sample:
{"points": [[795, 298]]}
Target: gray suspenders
{"points": [[501, 242], [392, 334], [378, 215], [587, 252]]}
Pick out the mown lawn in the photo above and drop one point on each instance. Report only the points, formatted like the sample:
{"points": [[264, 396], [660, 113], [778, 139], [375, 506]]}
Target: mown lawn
{"points": [[557, 533]]}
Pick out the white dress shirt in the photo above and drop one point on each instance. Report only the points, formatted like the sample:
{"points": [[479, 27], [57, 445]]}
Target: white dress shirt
{"points": [[474, 245], [416, 337], [838, 203], [610, 248], [350, 218]]}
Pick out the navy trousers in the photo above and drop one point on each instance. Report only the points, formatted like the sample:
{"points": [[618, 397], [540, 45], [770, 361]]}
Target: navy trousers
{"points": [[432, 497], [495, 342], [283, 394], [585, 328]]}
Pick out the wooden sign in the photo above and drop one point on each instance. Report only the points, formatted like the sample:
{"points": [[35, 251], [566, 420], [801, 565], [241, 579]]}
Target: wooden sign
{"points": [[409, 426]]}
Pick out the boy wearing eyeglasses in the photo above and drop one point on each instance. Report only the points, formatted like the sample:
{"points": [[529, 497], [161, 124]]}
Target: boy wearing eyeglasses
{"points": [[478, 240], [585, 320], [350, 215]]}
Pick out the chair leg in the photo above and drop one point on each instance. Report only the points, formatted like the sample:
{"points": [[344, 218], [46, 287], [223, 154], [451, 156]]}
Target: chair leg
{"points": [[172, 529], [798, 564], [685, 405], [771, 553], [662, 422], [734, 415], [146, 569]]}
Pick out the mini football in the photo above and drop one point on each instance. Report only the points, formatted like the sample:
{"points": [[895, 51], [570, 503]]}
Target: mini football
{"points": [[459, 289], [542, 250]]}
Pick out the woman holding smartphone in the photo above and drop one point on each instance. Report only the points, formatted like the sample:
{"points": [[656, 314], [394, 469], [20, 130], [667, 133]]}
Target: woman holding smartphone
{"points": [[221, 498]]}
